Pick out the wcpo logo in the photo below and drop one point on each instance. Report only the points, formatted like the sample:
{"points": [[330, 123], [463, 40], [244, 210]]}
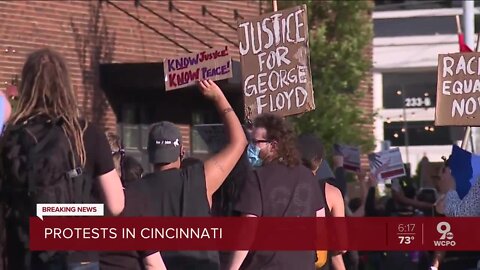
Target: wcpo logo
{"points": [[446, 236]]}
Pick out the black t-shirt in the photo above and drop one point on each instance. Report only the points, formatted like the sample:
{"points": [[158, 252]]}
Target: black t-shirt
{"points": [[99, 161], [175, 193], [275, 190]]}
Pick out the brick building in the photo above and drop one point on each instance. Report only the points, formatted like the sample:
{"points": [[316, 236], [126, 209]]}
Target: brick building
{"points": [[115, 51], [99, 38]]}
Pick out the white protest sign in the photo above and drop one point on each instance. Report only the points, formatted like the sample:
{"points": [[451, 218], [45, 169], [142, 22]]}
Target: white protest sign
{"points": [[351, 157], [69, 209], [386, 164]]}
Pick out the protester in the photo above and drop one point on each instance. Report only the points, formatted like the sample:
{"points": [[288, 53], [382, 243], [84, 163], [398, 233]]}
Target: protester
{"points": [[132, 260], [357, 205], [449, 204], [118, 153], [132, 170], [340, 180], [187, 192], [469, 206], [278, 177], [312, 152], [404, 196], [45, 147]]}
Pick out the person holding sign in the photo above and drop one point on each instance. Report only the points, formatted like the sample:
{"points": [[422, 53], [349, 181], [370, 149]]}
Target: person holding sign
{"points": [[174, 191], [279, 187]]}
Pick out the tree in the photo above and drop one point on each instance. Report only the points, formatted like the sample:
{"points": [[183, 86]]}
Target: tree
{"points": [[340, 32]]}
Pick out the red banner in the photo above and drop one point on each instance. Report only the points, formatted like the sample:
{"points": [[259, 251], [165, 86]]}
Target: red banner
{"points": [[94, 233]]}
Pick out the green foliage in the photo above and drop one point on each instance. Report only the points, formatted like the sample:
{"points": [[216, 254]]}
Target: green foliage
{"points": [[340, 32]]}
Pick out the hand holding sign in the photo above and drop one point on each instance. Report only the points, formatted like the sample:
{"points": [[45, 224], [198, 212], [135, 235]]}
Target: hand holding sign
{"points": [[386, 164], [210, 89], [351, 156]]}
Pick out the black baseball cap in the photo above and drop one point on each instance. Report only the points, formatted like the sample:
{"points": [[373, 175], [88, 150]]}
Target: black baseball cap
{"points": [[164, 143]]}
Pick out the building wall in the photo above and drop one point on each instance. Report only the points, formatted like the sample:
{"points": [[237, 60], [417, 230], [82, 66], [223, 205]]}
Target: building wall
{"points": [[88, 33]]}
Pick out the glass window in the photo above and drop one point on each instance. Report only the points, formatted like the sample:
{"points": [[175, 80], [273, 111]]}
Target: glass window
{"points": [[381, 5], [415, 26], [419, 133], [130, 136], [409, 89], [208, 138]]}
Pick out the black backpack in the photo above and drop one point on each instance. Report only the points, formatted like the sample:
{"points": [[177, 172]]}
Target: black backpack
{"points": [[37, 165]]}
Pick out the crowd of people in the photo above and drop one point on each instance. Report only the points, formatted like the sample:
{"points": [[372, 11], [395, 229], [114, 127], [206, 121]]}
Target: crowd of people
{"points": [[50, 154]]}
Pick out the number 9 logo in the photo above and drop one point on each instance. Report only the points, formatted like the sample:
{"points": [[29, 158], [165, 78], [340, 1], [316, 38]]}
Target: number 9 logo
{"points": [[444, 228]]}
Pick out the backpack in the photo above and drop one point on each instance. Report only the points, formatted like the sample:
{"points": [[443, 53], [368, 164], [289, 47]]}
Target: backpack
{"points": [[37, 165]]}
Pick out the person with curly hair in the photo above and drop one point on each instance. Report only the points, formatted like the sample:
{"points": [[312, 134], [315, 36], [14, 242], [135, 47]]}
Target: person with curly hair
{"points": [[280, 186]]}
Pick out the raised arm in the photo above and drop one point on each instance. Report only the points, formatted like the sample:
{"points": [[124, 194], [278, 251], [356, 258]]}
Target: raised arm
{"points": [[220, 165]]}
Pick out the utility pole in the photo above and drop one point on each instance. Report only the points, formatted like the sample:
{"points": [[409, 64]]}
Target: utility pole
{"points": [[405, 126], [469, 32]]}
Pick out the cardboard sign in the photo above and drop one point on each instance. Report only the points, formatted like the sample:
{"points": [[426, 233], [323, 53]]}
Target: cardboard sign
{"points": [[386, 164], [185, 70], [351, 157], [458, 90], [275, 60]]}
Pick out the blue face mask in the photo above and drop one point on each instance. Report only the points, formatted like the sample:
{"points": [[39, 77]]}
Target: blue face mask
{"points": [[253, 153]]}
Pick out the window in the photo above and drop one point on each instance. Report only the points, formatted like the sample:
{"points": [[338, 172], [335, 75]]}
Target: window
{"points": [[134, 132], [382, 5], [418, 26], [419, 133], [208, 138], [409, 89]]}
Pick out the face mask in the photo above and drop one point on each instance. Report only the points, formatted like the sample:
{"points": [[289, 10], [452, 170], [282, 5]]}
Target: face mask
{"points": [[253, 153]]}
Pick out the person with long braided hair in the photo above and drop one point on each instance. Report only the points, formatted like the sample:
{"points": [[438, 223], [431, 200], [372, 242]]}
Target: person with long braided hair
{"points": [[45, 133]]}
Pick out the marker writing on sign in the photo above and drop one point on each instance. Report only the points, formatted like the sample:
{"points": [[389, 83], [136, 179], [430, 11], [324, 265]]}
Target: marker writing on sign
{"points": [[277, 29], [188, 61], [460, 77]]}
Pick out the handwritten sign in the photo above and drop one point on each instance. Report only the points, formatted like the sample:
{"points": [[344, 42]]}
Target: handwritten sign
{"points": [[186, 70], [458, 90], [386, 164], [351, 157], [275, 61]]}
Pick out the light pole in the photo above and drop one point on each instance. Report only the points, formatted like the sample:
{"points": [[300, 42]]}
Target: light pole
{"points": [[469, 31]]}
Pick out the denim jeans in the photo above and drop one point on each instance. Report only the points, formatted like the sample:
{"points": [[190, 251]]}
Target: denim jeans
{"points": [[84, 266]]}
